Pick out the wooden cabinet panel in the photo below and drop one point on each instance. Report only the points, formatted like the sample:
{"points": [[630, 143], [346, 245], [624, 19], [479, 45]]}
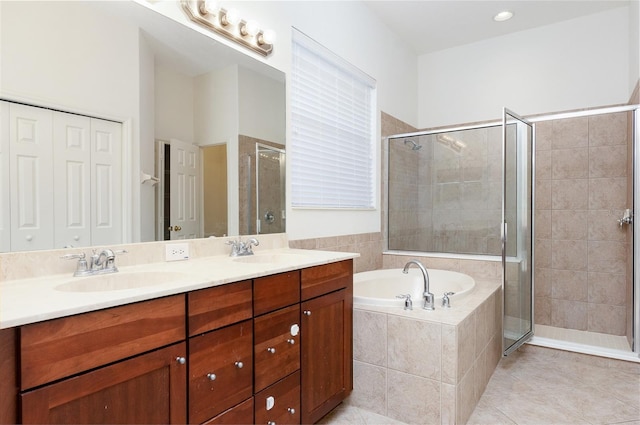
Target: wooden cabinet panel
{"points": [[284, 405], [217, 381], [150, 388], [213, 308], [327, 349], [319, 280], [274, 292], [63, 347], [240, 414], [8, 376], [277, 351]]}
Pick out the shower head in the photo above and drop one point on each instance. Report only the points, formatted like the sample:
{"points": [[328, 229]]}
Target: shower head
{"points": [[414, 145]]}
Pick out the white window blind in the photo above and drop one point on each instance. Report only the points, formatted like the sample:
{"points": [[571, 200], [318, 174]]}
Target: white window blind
{"points": [[333, 125]]}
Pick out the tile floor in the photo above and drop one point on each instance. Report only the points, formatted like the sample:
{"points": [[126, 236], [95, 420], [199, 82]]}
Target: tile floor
{"points": [[541, 386]]}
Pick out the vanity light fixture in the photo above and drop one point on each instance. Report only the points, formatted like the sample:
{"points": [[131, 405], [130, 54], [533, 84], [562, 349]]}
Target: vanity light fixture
{"points": [[505, 15], [227, 22]]}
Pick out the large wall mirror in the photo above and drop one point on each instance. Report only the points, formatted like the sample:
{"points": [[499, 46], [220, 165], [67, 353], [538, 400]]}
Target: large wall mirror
{"points": [[179, 96]]}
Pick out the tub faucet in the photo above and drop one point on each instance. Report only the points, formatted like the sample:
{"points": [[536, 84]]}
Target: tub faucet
{"points": [[428, 296]]}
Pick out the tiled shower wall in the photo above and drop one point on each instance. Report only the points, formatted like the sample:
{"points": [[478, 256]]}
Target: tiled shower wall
{"points": [[580, 250]]}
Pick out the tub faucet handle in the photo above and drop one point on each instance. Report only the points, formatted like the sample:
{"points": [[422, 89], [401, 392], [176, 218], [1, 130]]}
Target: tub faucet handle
{"points": [[446, 302], [408, 304]]}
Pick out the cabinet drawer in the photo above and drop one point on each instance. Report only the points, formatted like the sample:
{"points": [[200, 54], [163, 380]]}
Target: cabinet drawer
{"points": [[240, 414], [280, 403], [220, 370], [319, 280], [219, 306], [277, 349], [274, 292], [63, 347]]}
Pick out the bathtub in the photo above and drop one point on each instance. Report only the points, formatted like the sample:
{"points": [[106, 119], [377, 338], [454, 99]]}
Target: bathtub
{"points": [[381, 287]]}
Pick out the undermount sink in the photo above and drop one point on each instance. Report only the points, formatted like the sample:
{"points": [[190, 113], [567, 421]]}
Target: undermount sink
{"points": [[268, 258], [118, 281]]}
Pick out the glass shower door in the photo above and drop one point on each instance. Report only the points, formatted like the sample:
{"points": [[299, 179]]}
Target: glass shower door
{"points": [[517, 231]]}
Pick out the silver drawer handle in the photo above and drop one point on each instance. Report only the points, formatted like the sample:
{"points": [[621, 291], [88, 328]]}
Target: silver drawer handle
{"points": [[181, 360], [307, 313], [271, 423], [291, 410], [291, 341], [271, 350], [211, 376], [239, 365]]}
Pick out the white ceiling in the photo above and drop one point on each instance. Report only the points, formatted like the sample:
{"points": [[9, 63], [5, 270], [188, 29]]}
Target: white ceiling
{"points": [[431, 25]]}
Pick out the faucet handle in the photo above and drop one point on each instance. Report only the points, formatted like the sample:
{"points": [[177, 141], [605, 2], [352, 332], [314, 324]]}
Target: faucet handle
{"points": [[80, 256], [446, 302], [408, 304], [82, 269]]}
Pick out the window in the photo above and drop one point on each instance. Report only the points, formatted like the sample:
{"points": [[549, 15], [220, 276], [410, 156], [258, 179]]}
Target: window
{"points": [[333, 125]]}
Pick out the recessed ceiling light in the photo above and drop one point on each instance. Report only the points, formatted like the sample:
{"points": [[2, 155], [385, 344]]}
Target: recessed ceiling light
{"points": [[503, 16]]}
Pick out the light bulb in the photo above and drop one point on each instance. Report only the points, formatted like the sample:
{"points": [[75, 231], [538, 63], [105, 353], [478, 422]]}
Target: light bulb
{"points": [[267, 37], [250, 28], [231, 17], [209, 7]]}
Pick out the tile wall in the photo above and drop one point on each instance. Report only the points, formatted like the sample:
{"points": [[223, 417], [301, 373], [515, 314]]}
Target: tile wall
{"points": [[580, 253]]}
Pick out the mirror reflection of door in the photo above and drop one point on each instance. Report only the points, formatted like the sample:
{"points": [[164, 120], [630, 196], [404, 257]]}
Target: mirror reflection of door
{"points": [[270, 189], [214, 190], [179, 170]]}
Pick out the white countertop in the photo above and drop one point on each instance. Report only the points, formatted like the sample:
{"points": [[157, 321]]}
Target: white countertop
{"points": [[24, 301]]}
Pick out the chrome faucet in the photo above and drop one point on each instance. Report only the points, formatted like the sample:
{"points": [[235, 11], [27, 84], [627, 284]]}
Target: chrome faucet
{"points": [[100, 263], [428, 296], [240, 248]]}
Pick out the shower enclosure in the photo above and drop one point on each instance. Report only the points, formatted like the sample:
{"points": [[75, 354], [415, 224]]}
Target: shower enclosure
{"points": [[468, 192]]}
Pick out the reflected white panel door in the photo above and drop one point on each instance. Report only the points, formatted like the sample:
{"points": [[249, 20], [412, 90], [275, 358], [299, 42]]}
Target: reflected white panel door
{"points": [[30, 171], [5, 211], [106, 182], [71, 179], [184, 223]]}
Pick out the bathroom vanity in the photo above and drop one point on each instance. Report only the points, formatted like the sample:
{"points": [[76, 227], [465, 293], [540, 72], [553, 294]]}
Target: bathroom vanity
{"points": [[276, 348]]}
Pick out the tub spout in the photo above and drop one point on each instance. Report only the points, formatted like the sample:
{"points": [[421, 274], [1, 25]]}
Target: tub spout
{"points": [[428, 296]]}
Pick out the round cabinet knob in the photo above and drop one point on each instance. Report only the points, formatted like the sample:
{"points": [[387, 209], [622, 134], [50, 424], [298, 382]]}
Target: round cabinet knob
{"points": [[271, 350], [181, 360], [307, 313], [29, 238], [239, 365], [291, 341], [76, 238], [211, 376], [170, 228], [271, 423], [291, 410]]}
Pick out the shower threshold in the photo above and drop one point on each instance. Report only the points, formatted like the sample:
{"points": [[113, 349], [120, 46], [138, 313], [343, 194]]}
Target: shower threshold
{"points": [[593, 343]]}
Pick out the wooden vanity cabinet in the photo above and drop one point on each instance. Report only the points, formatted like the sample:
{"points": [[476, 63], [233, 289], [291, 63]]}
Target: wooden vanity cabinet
{"points": [[220, 353], [327, 346], [8, 376], [119, 365], [280, 402], [149, 388]]}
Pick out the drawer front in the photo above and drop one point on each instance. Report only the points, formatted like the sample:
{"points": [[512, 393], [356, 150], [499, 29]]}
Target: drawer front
{"points": [[62, 347], [280, 403], [277, 345], [240, 414], [219, 306], [320, 280], [220, 370], [274, 292]]}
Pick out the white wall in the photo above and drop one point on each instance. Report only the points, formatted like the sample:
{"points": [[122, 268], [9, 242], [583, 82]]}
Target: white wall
{"points": [[574, 64], [174, 105], [352, 31], [634, 43], [262, 106]]}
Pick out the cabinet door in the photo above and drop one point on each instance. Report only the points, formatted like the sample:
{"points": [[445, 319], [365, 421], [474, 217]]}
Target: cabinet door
{"points": [[240, 414], [277, 345], [280, 403], [30, 164], [71, 179], [326, 339], [150, 388], [220, 370]]}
